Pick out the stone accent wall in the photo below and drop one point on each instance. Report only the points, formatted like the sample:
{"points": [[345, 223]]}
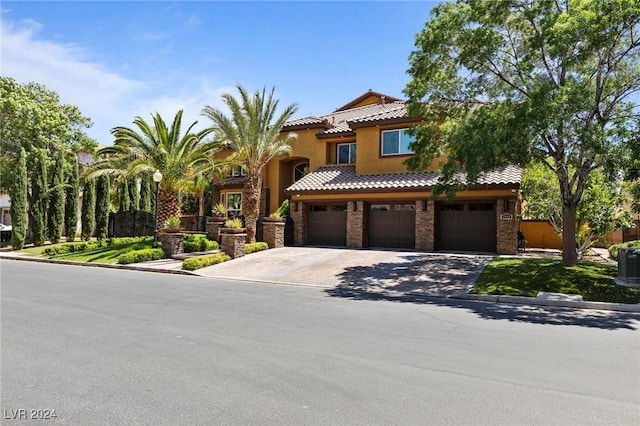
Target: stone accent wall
{"points": [[273, 233], [233, 244], [425, 225], [355, 224], [213, 228], [172, 242], [506, 230], [298, 213]]}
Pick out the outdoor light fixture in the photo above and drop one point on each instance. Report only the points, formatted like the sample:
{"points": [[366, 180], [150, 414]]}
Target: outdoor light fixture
{"points": [[157, 177]]}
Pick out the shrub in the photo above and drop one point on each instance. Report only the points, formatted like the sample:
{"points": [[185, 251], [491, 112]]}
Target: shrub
{"points": [[198, 262], [143, 255], [254, 247], [236, 222], [172, 223], [91, 245], [614, 249], [198, 242]]}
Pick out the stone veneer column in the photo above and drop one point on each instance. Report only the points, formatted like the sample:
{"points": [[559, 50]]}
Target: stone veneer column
{"points": [[273, 233], [233, 244], [213, 228], [425, 225], [506, 229], [355, 224], [298, 213], [172, 242]]}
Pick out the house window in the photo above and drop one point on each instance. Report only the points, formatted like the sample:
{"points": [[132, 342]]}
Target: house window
{"points": [[300, 171], [396, 142], [346, 153], [233, 203], [237, 171]]}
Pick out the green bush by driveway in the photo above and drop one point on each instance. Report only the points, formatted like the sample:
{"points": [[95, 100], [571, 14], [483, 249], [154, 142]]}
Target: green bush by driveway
{"points": [[143, 255], [528, 276], [198, 262]]}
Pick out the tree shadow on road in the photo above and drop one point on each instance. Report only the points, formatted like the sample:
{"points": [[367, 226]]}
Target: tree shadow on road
{"points": [[433, 279]]}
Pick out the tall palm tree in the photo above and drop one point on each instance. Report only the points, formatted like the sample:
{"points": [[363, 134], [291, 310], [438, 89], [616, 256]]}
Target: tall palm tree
{"points": [[148, 148], [253, 133]]}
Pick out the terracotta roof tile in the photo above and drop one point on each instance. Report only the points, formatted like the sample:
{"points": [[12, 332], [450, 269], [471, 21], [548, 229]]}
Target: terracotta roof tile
{"points": [[339, 178]]}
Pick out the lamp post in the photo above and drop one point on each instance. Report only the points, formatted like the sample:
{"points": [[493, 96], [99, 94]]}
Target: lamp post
{"points": [[157, 177]]}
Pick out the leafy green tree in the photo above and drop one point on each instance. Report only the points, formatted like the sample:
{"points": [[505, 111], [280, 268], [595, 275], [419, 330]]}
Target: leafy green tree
{"points": [[134, 194], [253, 133], [102, 206], [600, 211], [38, 199], [505, 82], [145, 193], [197, 187], [88, 209], [157, 147], [55, 219], [18, 209], [72, 193]]}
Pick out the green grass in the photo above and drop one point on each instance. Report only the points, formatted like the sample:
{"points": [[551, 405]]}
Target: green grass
{"points": [[107, 254], [528, 276]]}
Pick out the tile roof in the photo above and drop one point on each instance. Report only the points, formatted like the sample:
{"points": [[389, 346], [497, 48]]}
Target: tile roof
{"points": [[231, 181], [340, 178]]}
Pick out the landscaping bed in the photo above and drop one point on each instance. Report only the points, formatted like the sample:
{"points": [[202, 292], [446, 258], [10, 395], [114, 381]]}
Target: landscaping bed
{"points": [[528, 276]]}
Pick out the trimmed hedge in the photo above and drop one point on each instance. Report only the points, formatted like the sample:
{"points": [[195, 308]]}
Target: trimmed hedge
{"points": [[198, 242], [198, 262], [91, 245], [613, 250], [254, 247], [143, 255]]}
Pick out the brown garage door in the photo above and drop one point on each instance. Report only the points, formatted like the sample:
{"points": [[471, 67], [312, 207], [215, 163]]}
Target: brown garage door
{"points": [[392, 225], [327, 225], [466, 226]]}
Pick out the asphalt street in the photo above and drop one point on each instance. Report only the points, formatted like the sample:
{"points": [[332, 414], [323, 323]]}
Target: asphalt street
{"points": [[111, 347]]}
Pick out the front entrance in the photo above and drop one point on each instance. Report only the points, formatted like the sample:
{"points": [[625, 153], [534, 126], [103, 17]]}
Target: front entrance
{"points": [[327, 225], [466, 226], [392, 225]]}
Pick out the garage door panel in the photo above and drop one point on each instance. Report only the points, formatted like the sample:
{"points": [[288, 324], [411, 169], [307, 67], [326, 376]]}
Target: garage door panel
{"points": [[327, 225], [392, 225], [467, 227]]}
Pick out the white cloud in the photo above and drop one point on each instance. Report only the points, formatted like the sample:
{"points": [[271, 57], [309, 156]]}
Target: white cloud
{"points": [[110, 99]]}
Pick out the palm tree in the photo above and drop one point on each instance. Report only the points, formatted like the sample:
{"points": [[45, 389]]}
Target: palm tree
{"points": [[254, 136], [148, 148]]}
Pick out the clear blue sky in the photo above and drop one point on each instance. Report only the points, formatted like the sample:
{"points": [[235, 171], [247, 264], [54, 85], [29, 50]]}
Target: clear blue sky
{"points": [[119, 59]]}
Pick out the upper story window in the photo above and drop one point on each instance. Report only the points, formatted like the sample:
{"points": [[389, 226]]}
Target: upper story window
{"points": [[396, 142], [237, 171], [300, 171], [346, 153]]}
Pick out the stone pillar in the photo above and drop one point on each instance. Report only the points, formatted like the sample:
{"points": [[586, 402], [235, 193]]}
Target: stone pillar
{"points": [[172, 242], [506, 226], [273, 233], [213, 228], [298, 213], [355, 224], [233, 244], [425, 225]]}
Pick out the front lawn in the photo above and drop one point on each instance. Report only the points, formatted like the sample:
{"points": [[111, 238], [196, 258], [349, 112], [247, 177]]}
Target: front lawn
{"points": [[528, 276]]}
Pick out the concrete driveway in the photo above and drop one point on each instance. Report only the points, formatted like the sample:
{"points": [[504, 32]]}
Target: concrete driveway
{"points": [[360, 272]]}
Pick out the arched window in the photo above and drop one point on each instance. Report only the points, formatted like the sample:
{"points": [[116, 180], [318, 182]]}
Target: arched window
{"points": [[300, 171]]}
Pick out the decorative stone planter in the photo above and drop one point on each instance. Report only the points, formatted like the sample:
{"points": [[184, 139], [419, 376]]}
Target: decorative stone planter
{"points": [[233, 242], [233, 230], [213, 228], [273, 232], [172, 242]]}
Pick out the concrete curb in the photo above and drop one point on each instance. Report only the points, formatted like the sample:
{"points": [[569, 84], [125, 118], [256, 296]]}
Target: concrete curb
{"points": [[133, 267], [521, 300]]}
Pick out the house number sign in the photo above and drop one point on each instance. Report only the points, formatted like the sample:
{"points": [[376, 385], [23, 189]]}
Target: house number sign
{"points": [[506, 216]]}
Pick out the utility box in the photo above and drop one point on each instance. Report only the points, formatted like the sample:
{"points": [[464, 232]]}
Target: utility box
{"points": [[629, 265]]}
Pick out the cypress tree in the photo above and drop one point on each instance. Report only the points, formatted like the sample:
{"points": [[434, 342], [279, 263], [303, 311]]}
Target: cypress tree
{"points": [[123, 192], [145, 193], [88, 209], [38, 202], [18, 209], [71, 202], [134, 195], [102, 207], [56, 201]]}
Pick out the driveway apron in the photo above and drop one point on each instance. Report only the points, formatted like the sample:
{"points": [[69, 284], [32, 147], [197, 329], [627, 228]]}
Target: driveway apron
{"points": [[365, 272]]}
